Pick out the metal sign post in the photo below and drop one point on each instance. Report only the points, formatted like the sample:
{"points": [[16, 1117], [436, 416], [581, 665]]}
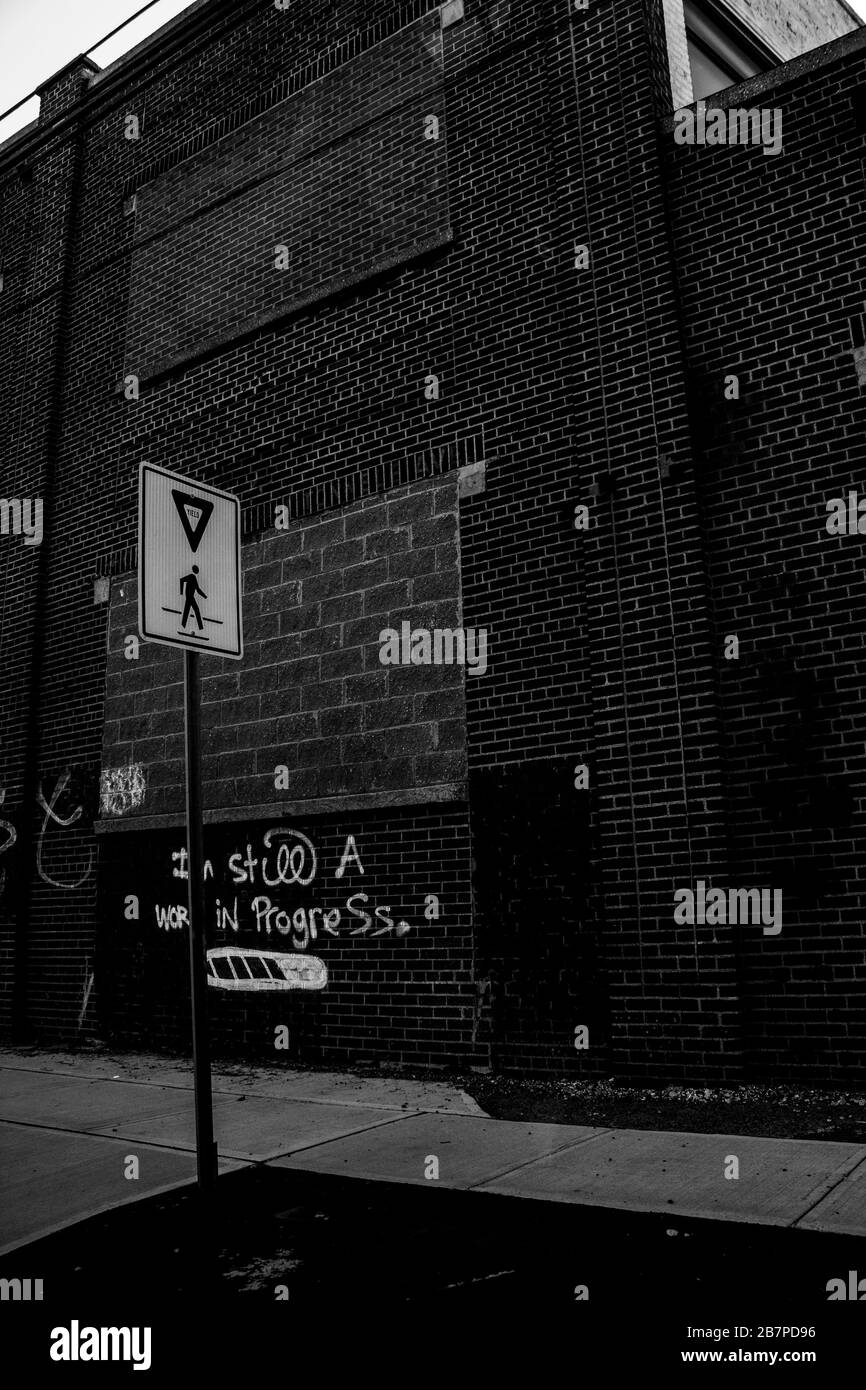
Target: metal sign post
{"points": [[195, 606], [206, 1149]]}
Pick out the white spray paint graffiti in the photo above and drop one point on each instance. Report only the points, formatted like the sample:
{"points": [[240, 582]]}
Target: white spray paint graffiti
{"points": [[235, 967], [88, 986], [12, 837], [291, 863], [51, 815], [121, 789]]}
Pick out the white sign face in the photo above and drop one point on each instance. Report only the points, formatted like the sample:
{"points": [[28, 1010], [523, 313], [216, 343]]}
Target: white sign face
{"points": [[189, 564]]}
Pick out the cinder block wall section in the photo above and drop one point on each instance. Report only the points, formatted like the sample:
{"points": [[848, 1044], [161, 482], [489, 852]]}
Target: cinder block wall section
{"points": [[311, 694]]}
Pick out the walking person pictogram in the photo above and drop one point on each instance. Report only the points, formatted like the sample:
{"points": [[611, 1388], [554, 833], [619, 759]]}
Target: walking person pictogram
{"points": [[189, 587]]}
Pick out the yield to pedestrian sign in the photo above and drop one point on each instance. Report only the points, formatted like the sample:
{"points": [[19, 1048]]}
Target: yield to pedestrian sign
{"points": [[189, 562]]}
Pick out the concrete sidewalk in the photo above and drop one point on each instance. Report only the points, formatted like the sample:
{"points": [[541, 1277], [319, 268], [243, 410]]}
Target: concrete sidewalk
{"points": [[69, 1126]]}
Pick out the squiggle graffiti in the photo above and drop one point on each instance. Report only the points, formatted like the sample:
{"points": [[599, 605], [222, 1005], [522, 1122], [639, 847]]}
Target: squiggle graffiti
{"points": [[296, 858], [51, 814], [12, 837]]}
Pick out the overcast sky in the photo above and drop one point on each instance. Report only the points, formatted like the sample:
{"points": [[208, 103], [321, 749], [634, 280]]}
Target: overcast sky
{"points": [[39, 36]]}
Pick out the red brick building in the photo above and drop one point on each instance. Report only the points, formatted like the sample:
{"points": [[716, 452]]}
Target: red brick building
{"points": [[445, 285]]}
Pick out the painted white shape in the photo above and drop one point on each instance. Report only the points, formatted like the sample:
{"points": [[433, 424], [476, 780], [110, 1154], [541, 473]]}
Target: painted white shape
{"points": [[276, 970], [121, 789]]}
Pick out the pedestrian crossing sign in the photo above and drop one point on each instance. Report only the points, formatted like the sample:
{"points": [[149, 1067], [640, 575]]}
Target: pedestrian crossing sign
{"points": [[189, 564]]}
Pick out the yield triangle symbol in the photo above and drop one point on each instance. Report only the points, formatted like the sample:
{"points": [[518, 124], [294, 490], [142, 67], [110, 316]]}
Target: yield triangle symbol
{"points": [[194, 513]]}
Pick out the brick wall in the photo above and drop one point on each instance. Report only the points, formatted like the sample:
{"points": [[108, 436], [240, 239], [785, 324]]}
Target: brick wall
{"points": [[565, 372], [792, 705], [50, 761], [64, 90], [399, 982], [340, 174]]}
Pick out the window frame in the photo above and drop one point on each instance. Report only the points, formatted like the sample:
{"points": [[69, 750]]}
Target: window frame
{"points": [[712, 28]]}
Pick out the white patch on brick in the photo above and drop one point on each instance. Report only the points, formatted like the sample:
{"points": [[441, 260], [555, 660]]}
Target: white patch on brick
{"points": [[471, 480], [121, 789]]}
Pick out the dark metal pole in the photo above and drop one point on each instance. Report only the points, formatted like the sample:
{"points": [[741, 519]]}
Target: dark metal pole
{"points": [[205, 1146]]}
